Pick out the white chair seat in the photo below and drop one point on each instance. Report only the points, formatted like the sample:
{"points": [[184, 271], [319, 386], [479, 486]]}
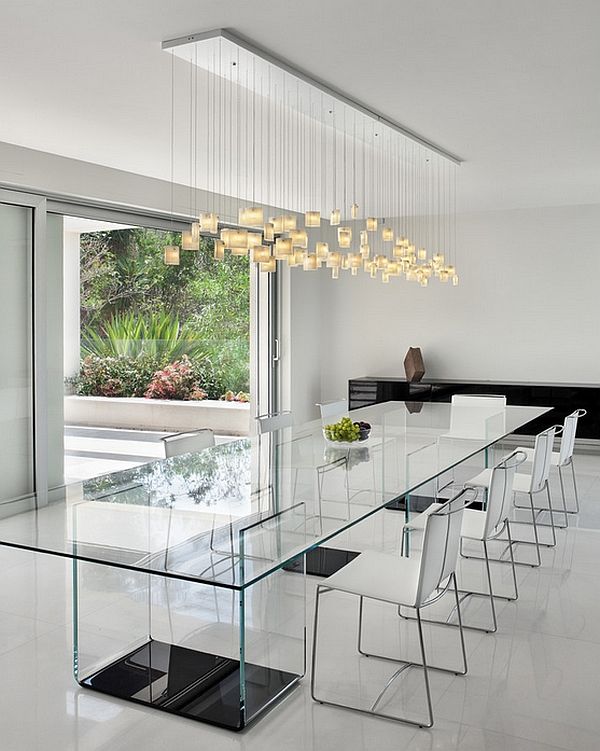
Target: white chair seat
{"points": [[473, 526], [419, 521], [380, 576], [482, 480], [554, 459], [521, 484]]}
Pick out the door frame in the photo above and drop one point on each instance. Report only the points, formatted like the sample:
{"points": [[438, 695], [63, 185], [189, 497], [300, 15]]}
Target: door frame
{"points": [[37, 204]]}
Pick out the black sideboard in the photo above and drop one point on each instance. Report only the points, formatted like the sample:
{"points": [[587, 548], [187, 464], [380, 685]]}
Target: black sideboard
{"points": [[565, 398]]}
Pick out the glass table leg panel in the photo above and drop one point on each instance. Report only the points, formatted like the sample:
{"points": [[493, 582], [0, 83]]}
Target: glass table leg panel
{"points": [[177, 646]]}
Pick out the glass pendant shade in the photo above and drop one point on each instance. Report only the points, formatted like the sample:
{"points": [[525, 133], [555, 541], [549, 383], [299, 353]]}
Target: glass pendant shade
{"points": [[355, 261], [365, 251], [455, 280], [251, 216], [335, 273], [335, 218], [311, 262], [354, 211], [371, 224], [373, 270], [322, 249], [171, 255], [239, 251], [218, 250], [195, 230], [344, 237], [381, 261], [312, 219], [421, 254], [261, 254], [187, 241], [269, 232], [283, 247], [385, 278], [387, 234], [364, 237], [283, 223], [299, 238], [209, 222], [424, 281], [398, 251], [344, 264], [269, 266], [254, 239], [451, 270], [334, 259], [235, 238]]}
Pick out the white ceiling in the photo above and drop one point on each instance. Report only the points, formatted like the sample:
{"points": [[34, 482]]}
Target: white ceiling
{"points": [[510, 86]]}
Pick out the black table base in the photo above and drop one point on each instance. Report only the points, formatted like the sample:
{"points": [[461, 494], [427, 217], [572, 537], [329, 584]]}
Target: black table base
{"points": [[192, 684]]}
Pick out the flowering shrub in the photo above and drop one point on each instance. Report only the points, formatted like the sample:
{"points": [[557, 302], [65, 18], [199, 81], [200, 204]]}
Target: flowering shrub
{"points": [[179, 380], [114, 376], [241, 396]]}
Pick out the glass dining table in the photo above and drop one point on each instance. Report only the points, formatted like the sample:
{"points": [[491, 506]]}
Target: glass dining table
{"points": [[189, 573]]}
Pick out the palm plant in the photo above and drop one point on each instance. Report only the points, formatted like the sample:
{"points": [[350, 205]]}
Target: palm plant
{"points": [[160, 336]]}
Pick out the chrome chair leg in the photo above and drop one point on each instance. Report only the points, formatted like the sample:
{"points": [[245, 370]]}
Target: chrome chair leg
{"points": [[574, 485], [474, 593], [405, 664], [425, 670]]}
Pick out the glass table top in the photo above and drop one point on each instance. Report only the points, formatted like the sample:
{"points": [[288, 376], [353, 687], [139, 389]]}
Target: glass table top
{"points": [[232, 514]]}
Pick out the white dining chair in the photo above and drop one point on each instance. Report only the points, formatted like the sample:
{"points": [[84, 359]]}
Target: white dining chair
{"points": [[272, 422], [331, 412], [484, 526], [563, 458], [469, 414], [188, 442], [335, 408], [530, 484], [411, 582]]}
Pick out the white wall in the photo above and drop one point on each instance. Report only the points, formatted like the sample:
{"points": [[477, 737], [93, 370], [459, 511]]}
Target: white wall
{"points": [[527, 308]]}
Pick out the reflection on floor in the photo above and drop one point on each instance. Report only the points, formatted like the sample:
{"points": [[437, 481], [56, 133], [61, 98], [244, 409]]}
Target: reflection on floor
{"points": [[532, 686]]}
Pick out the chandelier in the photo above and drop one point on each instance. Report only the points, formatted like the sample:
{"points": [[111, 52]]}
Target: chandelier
{"points": [[318, 180]]}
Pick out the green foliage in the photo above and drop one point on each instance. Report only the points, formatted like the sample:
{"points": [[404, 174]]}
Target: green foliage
{"points": [[141, 376], [132, 304], [130, 335], [114, 376]]}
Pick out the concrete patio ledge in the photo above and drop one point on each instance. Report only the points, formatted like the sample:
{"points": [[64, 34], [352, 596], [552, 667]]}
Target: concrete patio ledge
{"points": [[225, 418]]}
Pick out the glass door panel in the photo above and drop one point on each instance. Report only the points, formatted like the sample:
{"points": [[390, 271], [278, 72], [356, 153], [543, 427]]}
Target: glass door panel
{"points": [[16, 379]]}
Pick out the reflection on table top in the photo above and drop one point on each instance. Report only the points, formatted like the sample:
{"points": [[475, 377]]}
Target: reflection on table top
{"points": [[232, 514]]}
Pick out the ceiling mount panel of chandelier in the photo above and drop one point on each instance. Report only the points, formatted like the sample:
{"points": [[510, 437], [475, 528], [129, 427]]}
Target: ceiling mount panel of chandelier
{"points": [[353, 190]]}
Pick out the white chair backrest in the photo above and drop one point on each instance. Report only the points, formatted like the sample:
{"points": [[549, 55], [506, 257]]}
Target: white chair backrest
{"points": [[440, 545], [476, 415], [329, 410], [542, 457], [480, 400], [185, 443], [567, 441], [499, 496], [269, 423]]}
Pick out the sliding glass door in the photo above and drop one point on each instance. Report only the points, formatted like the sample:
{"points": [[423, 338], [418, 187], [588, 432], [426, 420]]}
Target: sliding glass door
{"points": [[17, 462]]}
